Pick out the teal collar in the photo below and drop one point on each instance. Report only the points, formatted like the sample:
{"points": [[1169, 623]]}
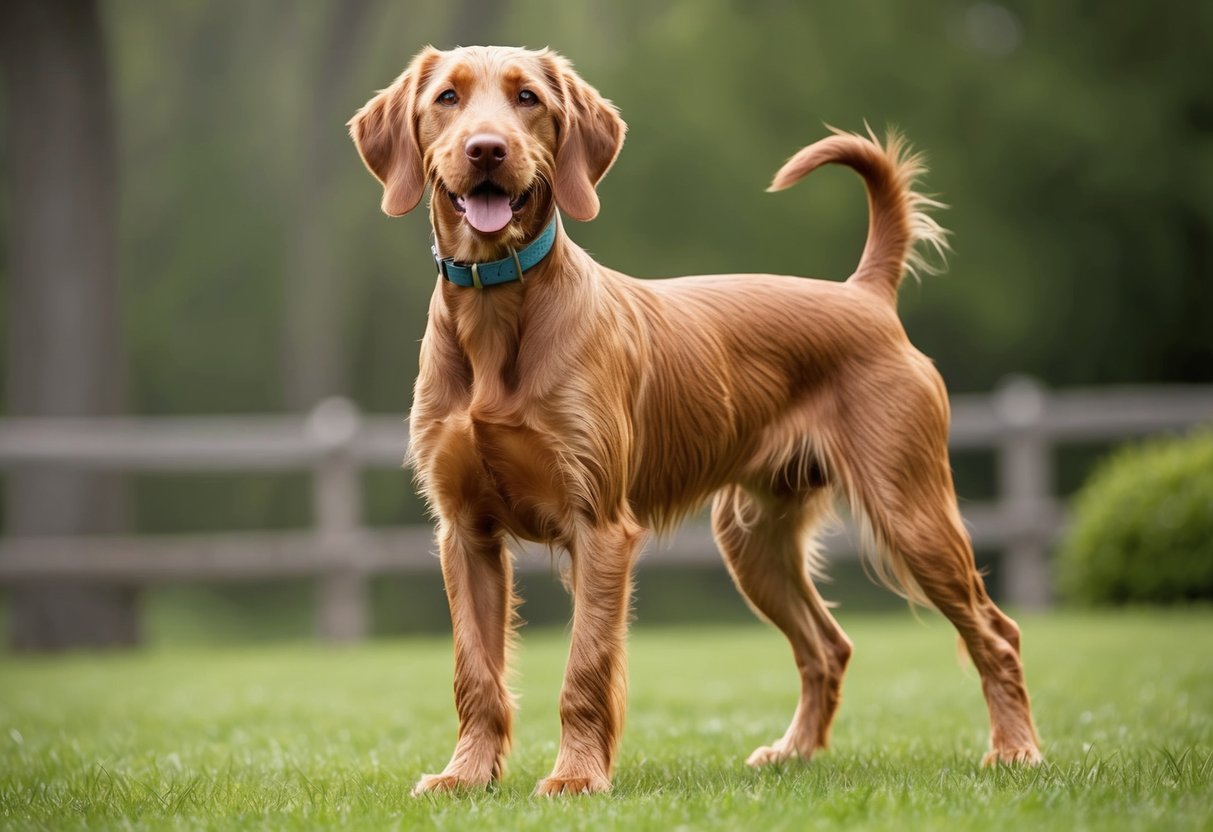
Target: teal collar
{"points": [[510, 268]]}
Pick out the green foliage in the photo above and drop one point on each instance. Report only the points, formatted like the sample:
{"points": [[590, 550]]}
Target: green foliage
{"points": [[1076, 163], [307, 737], [1143, 526], [1075, 147]]}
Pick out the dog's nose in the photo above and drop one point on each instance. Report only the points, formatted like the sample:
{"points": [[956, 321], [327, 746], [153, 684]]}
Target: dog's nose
{"points": [[485, 150]]}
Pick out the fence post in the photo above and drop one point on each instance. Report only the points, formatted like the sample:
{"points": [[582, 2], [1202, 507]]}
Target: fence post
{"points": [[341, 613], [1025, 475]]}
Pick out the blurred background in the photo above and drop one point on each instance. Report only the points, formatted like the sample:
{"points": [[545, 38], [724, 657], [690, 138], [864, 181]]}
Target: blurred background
{"points": [[187, 233]]}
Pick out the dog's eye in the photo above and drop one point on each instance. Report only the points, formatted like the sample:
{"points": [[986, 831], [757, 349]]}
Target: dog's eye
{"points": [[527, 98], [448, 98]]}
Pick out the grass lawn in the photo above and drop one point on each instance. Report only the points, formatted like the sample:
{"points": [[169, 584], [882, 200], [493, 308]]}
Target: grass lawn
{"points": [[301, 736]]}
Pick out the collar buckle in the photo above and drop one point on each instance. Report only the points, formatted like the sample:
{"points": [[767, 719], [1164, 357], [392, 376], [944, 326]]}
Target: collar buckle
{"points": [[439, 262]]}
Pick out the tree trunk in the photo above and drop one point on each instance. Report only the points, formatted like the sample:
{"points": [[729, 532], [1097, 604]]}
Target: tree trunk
{"points": [[65, 355], [316, 351], [318, 293]]}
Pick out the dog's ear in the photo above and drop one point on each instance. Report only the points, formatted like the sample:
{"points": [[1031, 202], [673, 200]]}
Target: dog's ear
{"points": [[385, 133], [591, 134]]}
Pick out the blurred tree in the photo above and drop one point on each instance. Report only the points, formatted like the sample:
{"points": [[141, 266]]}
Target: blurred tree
{"points": [[64, 355], [1074, 142], [477, 21], [317, 294], [321, 290]]}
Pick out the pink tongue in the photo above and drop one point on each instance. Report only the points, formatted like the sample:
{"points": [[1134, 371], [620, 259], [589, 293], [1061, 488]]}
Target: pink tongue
{"points": [[488, 213]]}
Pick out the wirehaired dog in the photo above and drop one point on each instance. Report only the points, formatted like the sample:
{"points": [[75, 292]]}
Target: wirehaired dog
{"points": [[562, 402]]}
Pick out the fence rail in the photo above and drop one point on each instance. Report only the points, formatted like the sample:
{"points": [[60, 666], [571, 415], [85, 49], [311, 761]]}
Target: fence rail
{"points": [[1022, 423]]}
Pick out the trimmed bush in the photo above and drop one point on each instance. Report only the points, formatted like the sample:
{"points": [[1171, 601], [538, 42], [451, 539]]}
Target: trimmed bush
{"points": [[1143, 526]]}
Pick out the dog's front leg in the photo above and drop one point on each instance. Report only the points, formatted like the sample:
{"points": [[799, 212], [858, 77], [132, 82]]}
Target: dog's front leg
{"points": [[594, 696], [478, 575]]}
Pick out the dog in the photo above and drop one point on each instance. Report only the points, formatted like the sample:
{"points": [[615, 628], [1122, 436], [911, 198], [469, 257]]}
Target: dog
{"points": [[561, 402]]}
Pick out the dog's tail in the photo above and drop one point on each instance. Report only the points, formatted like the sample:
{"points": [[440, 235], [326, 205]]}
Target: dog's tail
{"points": [[897, 214]]}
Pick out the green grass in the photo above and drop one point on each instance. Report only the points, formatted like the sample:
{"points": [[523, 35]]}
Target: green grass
{"points": [[302, 736]]}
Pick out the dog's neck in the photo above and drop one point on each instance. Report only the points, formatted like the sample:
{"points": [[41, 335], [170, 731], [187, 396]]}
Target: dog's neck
{"points": [[492, 326], [513, 266], [453, 240], [503, 296]]}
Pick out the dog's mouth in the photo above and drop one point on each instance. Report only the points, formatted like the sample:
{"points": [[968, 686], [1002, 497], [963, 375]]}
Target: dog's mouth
{"points": [[488, 208]]}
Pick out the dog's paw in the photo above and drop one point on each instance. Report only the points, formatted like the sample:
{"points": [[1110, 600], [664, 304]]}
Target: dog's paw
{"points": [[552, 786], [765, 756], [781, 751], [1029, 756], [440, 783]]}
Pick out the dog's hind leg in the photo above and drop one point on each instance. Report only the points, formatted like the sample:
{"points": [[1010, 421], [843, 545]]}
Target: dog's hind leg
{"points": [[890, 449], [764, 540]]}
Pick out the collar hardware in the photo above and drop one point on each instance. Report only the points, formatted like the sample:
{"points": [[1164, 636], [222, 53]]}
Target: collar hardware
{"points": [[505, 270]]}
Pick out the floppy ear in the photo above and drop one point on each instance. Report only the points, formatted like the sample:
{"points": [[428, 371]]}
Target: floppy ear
{"points": [[386, 136], [591, 134]]}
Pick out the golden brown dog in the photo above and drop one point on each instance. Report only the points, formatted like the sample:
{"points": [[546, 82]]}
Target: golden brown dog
{"points": [[582, 408]]}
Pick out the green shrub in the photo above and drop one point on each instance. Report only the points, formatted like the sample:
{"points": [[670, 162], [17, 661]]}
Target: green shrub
{"points": [[1142, 528]]}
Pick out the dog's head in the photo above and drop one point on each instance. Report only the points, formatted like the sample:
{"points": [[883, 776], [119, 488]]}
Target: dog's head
{"points": [[499, 134]]}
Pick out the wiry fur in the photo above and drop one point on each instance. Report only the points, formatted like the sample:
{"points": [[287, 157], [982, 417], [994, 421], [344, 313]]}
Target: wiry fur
{"points": [[584, 408]]}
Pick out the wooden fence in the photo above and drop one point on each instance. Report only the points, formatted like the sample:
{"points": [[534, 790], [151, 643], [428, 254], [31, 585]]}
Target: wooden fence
{"points": [[1022, 423]]}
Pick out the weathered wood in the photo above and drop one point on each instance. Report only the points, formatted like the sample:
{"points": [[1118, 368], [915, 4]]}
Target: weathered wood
{"points": [[1022, 423], [342, 611], [1025, 483], [248, 556], [259, 442]]}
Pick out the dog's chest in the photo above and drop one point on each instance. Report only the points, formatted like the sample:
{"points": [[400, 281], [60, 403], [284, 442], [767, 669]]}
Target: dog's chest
{"points": [[501, 469]]}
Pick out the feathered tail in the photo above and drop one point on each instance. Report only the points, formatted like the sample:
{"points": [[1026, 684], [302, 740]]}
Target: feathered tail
{"points": [[897, 214]]}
